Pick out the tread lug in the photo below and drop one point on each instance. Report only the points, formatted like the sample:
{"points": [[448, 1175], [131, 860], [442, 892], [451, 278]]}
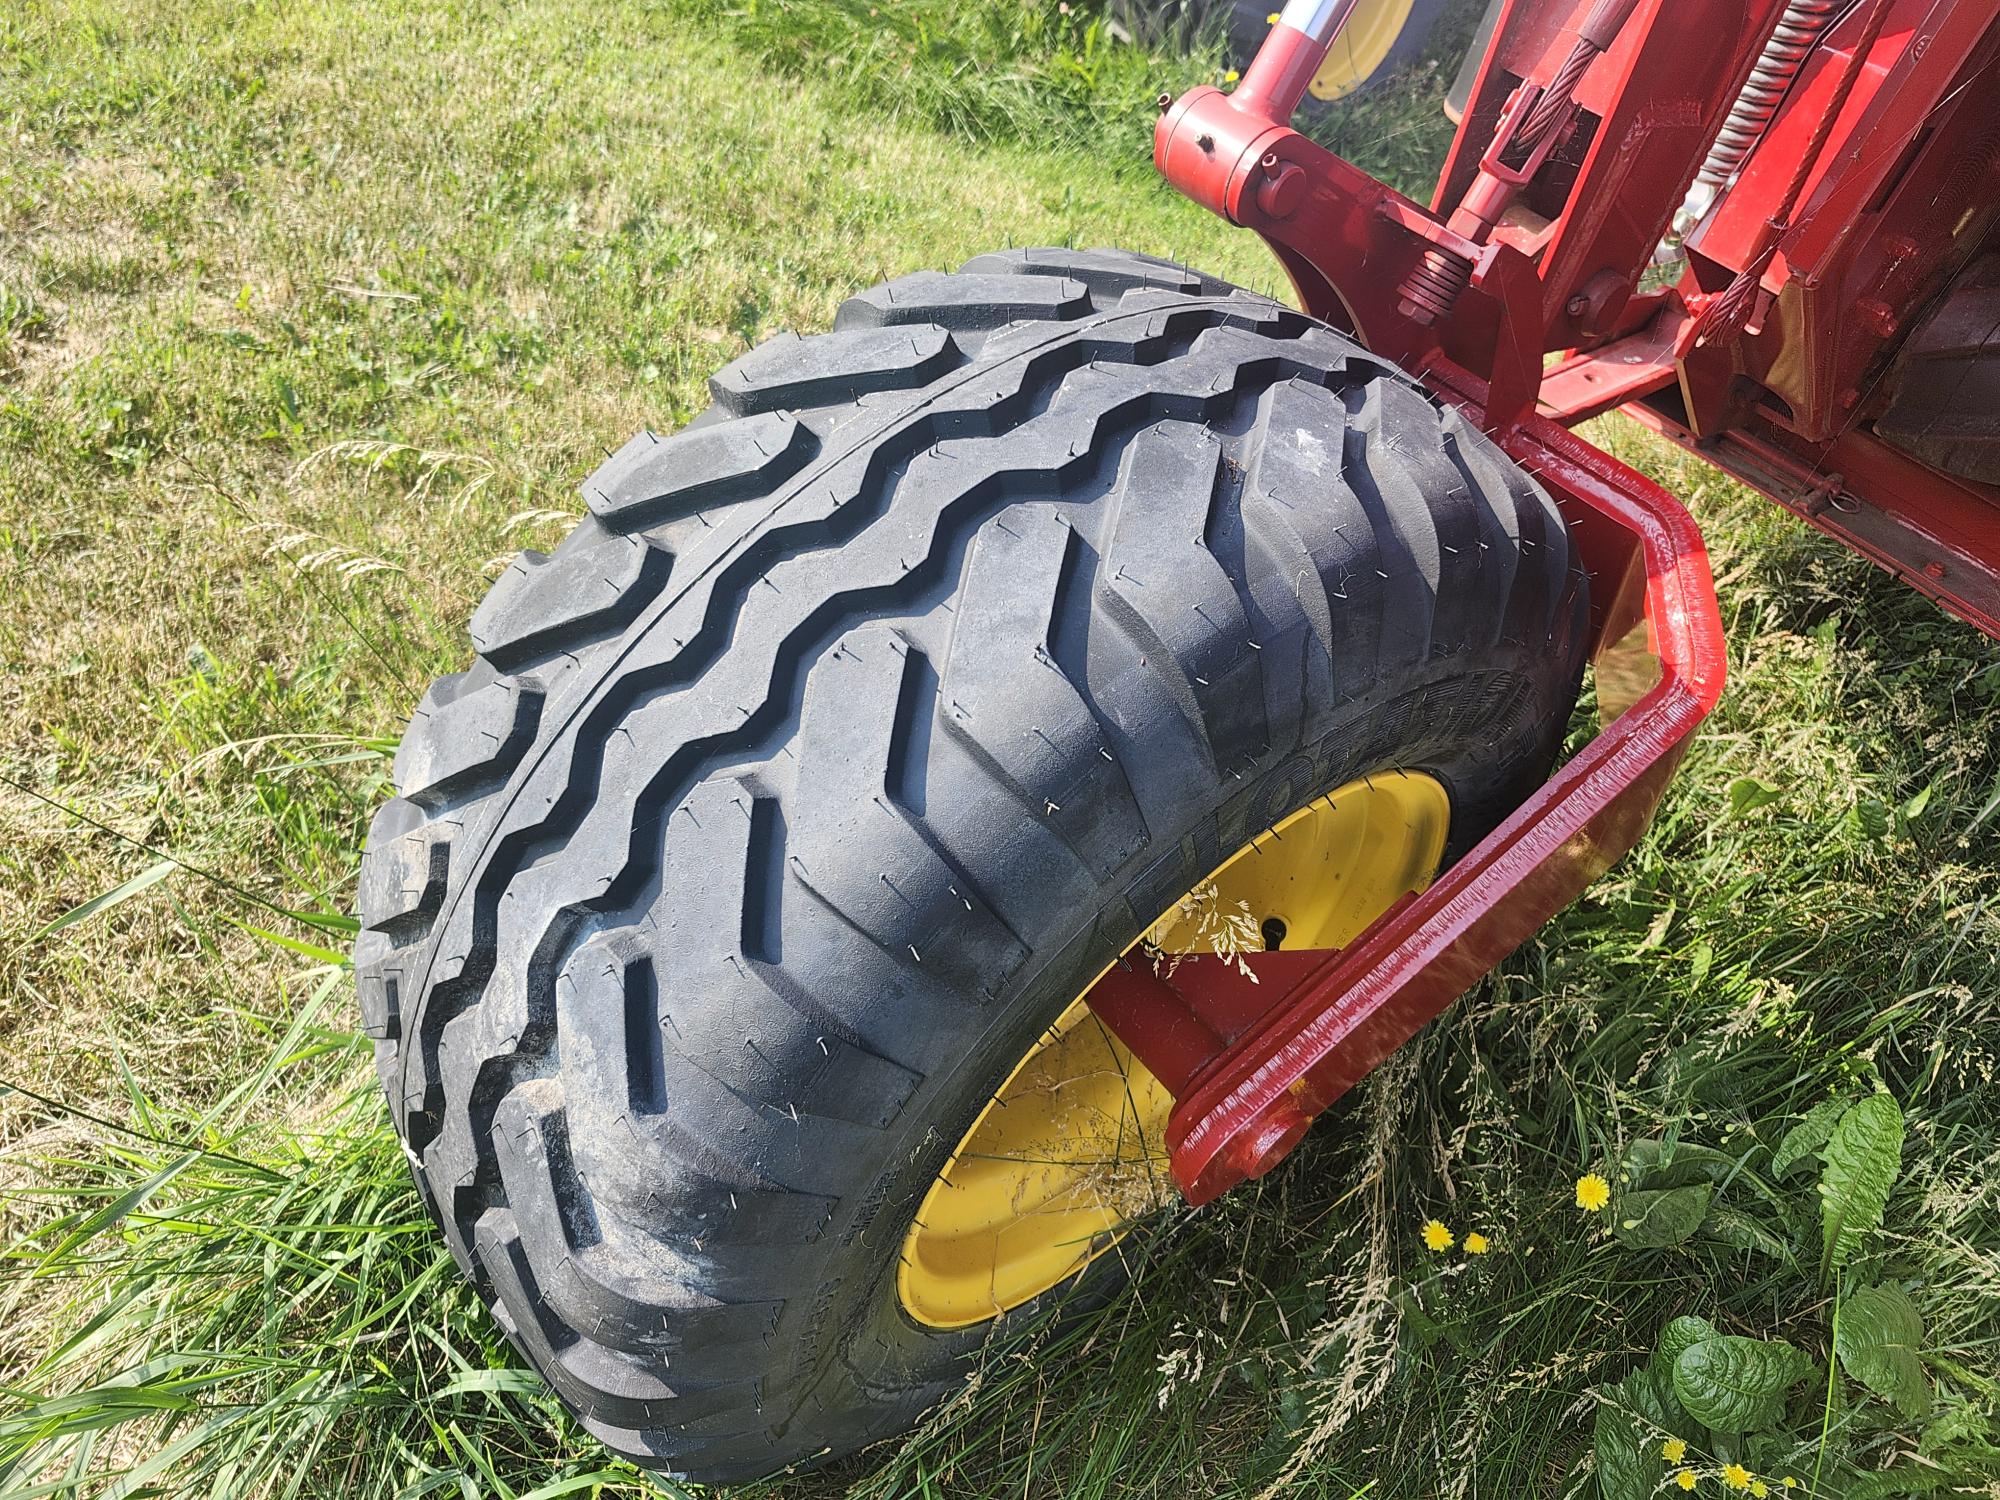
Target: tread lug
{"points": [[965, 303], [789, 372], [653, 479]]}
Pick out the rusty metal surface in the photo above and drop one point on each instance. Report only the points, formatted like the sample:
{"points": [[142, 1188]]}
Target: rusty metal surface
{"points": [[1944, 406], [1904, 194]]}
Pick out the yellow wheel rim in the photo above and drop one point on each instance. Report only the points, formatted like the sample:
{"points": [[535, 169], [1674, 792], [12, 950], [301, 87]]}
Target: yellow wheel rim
{"points": [[1367, 38], [1071, 1151]]}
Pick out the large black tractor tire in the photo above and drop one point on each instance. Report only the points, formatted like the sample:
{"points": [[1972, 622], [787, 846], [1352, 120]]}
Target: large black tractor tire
{"points": [[854, 730]]}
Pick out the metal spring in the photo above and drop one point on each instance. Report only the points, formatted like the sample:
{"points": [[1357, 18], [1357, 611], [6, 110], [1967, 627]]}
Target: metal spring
{"points": [[1798, 30], [1429, 291]]}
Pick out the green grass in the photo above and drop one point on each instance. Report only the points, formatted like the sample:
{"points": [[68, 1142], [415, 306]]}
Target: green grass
{"points": [[312, 311]]}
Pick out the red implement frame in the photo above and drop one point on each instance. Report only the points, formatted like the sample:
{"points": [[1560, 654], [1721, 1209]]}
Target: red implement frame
{"points": [[1588, 119], [1897, 129], [1466, 306], [1877, 180]]}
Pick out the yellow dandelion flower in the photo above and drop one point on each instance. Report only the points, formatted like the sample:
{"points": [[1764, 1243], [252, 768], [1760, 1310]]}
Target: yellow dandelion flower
{"points": [[1736, 1476], [1231, 76], [1271, 19], [1791, 1483], [1592, 1192], [1673, 1450], [1436, 1235], [1759, 1488], [1476, 1243], [1685, 1479]]}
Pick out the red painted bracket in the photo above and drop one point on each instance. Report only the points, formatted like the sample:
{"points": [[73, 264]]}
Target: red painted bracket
{"points": [[1250, 1065]]}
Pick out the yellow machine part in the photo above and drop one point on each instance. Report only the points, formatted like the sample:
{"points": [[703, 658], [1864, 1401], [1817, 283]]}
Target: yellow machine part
{"points": [[1071, 1149], [1367, 38]]}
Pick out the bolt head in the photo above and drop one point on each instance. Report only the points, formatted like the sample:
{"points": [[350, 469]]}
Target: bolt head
{"points": [[1877, 316], [1282, 191]]}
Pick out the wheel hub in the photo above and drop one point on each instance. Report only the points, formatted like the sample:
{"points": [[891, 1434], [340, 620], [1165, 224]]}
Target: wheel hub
{"points": [[1071, 1150]]}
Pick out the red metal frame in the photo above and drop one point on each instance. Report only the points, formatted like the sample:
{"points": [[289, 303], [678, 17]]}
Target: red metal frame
{"points": [[1583, 132]]}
